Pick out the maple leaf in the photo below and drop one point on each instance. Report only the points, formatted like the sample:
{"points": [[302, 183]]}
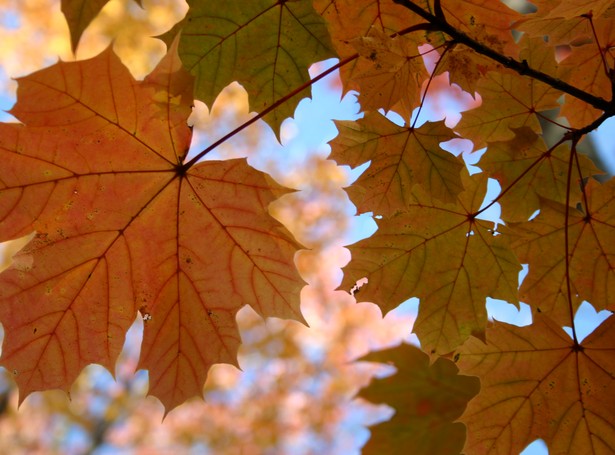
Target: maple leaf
{"points": [[442, 254], [79, 14], [348, 21], [588, 270], [595, 77], [265, 45], [486, 21], [401, 157], [536, 382], [570, 10], [511, 100], [528, 171], [427, 400], [394, 78], [123, 224], [558, 29], [465, 67]]}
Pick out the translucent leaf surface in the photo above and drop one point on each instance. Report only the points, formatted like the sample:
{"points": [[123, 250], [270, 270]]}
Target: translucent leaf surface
{"points": [[123, 226], [400, 158], [265, 45], [445, 256], [536, 383]]}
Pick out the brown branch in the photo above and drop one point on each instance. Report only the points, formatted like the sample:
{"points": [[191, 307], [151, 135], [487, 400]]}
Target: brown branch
{"points": [[185, 166], [509, 62]]}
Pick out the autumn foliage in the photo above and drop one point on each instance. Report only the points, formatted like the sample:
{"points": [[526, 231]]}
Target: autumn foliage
{"points": [[125, 222]]}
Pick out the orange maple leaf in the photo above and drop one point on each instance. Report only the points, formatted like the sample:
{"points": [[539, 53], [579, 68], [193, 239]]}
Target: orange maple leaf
{"points": [[465, 67], [576, 8], [486, 21], [511, 100], [536, 382], [393, 77], [349, 20], [124, 224], [558, 29], [588, 68]]}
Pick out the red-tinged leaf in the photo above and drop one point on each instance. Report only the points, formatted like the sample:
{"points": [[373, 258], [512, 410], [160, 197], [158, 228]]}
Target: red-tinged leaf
{"points": [[401, 157], [445, 256], [393, 77], [223, 251], [265, 45], [537, 383], [123, 226], [511, 100], [427, 400], [528, 171], [590, 267]]}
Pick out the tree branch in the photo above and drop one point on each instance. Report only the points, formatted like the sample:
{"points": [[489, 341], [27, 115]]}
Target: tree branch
{"points": [[509, 62], [185, 166]]}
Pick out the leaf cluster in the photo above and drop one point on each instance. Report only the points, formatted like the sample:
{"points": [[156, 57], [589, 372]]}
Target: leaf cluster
{"points": [[125, 222]]}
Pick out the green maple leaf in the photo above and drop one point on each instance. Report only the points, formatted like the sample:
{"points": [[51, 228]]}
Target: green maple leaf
{"points": [[265, 45], [442, 254], [400, 158], [427, 400]]}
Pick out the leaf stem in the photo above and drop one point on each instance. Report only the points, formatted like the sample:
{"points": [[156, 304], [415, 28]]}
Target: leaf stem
{"points": [[266, 111], [431, 77], [574, 135], [573, 152], [520, 176], [520, 67]]}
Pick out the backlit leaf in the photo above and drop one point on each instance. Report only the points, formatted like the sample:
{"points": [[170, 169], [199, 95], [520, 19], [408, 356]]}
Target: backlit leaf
{"points": [[511, 100], [401, 157], [349, 21], [594, 77], [265, 45], [590, 266], [559, 30], [427, 400], [528, 171], [393, 79], [465, 67], [445, 256], [122, 226], [570, 10], [484, 20], [536, 383]]}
